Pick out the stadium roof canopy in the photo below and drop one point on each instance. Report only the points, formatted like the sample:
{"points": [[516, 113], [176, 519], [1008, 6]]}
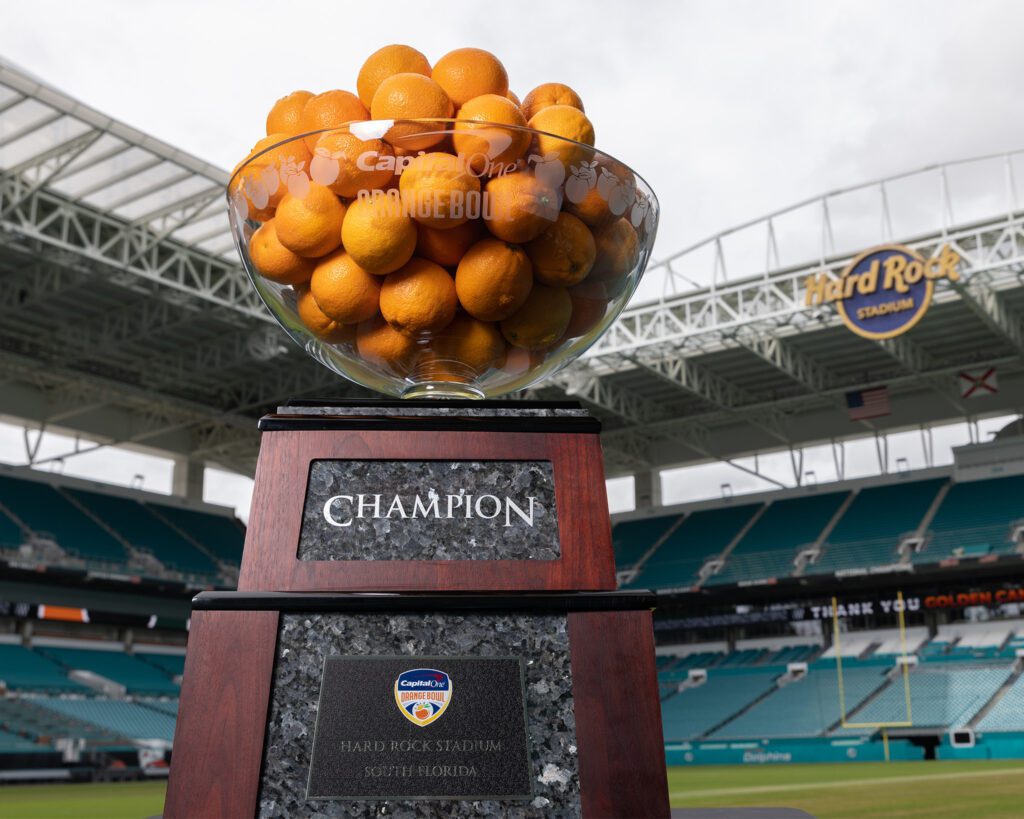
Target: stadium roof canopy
{"points": [[125, 315]]}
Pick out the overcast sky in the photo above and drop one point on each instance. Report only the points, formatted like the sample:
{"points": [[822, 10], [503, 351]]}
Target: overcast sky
{"points": [[729, 109]]}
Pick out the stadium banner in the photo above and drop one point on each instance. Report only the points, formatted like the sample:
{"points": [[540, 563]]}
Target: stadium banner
{"points": [[782, 752], [882, 606], [47, 611], [884, 291]]}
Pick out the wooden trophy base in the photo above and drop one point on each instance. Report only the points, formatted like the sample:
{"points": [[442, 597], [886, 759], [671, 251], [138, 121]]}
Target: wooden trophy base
{"points": [[426, 623], [357, 451], [254, 682]]}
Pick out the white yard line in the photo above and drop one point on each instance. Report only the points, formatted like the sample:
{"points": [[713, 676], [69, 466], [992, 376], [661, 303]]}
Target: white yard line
{"points": [[848, 783]]}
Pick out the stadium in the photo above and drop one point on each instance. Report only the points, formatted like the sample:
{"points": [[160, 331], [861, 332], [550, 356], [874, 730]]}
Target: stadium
{"points": [[867, 609]]}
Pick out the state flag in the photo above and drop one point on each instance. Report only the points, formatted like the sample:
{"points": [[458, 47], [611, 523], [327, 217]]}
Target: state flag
{"points": [[978, 383]]}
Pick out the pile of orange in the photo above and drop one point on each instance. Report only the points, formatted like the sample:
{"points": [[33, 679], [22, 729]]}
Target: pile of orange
{"points": [[439, 250]]}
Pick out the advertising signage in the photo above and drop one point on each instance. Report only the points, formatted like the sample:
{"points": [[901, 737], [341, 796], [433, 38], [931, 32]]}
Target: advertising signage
{"points": [[884, 291]]}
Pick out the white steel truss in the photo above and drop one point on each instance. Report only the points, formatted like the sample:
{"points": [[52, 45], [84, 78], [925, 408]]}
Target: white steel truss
{"points": [[90, 207]]}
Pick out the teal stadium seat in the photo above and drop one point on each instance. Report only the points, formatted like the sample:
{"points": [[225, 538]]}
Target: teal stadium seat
{"points": [[1015, 643], [11, 536], [959, 652], [976, 518], [45, 510], [746, 656], [1008, 713], [25, 670], [125, 718], [805, 708], [768, 549], [703, 534], [795, 654], [632, 538], [23, 715], [14, 744], [173, 664], [934, 649], [942, 695], [869, 532], [699, 659], [140, 527], [163, 706], [695, 711], [134, 674], [220, 535]]}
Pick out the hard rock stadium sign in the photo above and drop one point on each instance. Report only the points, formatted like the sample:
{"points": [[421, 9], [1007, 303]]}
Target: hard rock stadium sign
{"points": [[884, 291]]}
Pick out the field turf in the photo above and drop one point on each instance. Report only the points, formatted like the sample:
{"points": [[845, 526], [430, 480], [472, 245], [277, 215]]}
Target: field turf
{"points": [[119, 800], [936, 790]]}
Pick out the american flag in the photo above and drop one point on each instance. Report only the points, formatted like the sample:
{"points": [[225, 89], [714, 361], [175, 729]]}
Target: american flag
{"points": [[864, 404]]}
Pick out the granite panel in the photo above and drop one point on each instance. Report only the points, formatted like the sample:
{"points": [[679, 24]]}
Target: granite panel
{"points": [[306, 640], [446, 510]]}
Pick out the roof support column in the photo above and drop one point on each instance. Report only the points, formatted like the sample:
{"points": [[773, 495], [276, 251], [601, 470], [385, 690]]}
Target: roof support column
{"points": [[187, 479], [647, 489]]}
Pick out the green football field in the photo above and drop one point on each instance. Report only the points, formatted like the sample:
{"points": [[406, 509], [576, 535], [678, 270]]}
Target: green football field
{"points": [[937, 790]]}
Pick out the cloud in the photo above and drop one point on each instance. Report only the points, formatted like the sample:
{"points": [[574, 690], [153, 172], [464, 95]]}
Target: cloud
{"points": [[729, 109]]}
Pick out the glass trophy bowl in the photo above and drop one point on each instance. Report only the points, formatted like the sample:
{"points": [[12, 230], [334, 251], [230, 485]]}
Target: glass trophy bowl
{"points": [[345, 234]]}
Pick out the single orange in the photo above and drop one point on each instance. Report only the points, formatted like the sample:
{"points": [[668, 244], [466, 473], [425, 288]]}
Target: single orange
{"points": [[274, 260], [262, 178], [278, 149], [477, 345], [519, 361], [381, 344], [310, 225], [493, 279], [418, 298], [250, 188], [347, 164], [439, 191], [378, 233], [432, 367], [618, 250], [286, 115], [520, 207], [329, 110], [411, 96], [385, 62], [589, 306], [322, 326], [541, 321], [548, 94], [343, 290], [564, 253], [447, 247], [469, 72], [287, 157], [600, 192], [484, 147], [563, 121]]}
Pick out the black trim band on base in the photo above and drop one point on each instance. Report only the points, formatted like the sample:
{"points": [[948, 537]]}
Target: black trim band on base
{"points": [[382, 602], [432, 423], [428, 403]]}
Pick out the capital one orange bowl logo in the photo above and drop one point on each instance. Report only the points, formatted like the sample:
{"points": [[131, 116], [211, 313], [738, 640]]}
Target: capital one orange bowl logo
{"points": [[884, 291], [423, 694]]}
